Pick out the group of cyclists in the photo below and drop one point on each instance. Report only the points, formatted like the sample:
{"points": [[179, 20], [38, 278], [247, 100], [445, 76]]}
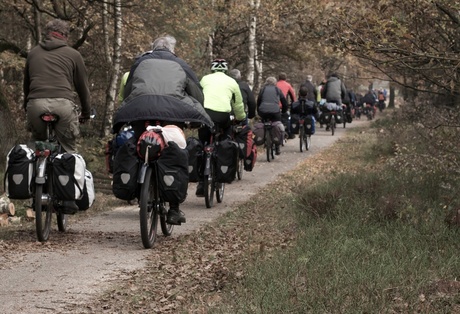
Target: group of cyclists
{"points": [[160, 89]]}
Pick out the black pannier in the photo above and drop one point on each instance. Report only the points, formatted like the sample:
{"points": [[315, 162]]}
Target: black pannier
{"points": [[173, 173], [20, 164], [68, 176], [125, 171], [195, 158], [226, 163]]}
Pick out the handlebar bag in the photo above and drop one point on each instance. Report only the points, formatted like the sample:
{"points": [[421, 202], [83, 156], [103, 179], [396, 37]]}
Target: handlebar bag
{"points": [[20, 166]]}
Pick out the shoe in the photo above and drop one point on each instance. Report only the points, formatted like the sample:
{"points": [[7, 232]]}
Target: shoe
{"points": [[69, 207], [327, 128], [277, 150], [291, 136], [175, 217], [200, 190]]}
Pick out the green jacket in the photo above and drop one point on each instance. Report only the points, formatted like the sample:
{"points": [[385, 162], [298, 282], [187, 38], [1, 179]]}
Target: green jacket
{"points": [[222, 94]]}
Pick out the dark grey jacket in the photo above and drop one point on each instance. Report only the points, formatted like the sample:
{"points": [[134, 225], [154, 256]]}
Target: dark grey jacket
{"points": [[269, 100], [162, 87], [334, 90]]}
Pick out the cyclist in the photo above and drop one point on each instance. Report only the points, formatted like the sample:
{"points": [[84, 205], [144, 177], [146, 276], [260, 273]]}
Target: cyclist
{"points": [[161, 87], [289, 94], [335, 92], [222, 95], [268, 103], [53, 70], [310, 107], [312, 92], [248, 96]]}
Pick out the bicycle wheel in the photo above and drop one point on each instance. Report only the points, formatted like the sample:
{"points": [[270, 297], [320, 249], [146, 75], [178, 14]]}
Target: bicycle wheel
{"points": [[301, 138], [209, 186], [61, 221], [307, 141], [268, 145], [220, 188], [166, 228], [240, 168], [43, 213], [333, 125], [148, 213]]}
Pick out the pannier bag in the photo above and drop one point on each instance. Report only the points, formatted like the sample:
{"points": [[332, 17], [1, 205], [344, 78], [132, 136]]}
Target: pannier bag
{"points": [[195, 158], [173, 173], [125, 171], [339, 117], [226, 161], [88, 192], [277, 132], [295, 123], [250, 160], [259, 133], [114, 144], [68, 176], [20, 164], [246, 147], [309, 125], [150, 145]]}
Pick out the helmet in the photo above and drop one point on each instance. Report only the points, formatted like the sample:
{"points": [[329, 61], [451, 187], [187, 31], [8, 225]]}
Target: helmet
{"points": [[219, 65]]}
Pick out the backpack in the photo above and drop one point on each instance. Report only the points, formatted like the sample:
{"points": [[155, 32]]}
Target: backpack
{"points": [[226, 161], [68, 176], [259, 133], [125, 171], [88, 192], [195, 158], [172, 166], [20, 167]]}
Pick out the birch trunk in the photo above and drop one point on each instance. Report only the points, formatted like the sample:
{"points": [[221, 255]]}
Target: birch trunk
{"points": [[252, 50]]}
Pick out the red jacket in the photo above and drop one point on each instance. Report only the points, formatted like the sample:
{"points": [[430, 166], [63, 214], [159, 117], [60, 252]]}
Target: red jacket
{"points": [[287, 90]]}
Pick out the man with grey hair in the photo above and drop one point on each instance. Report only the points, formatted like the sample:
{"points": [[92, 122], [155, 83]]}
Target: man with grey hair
{"points": [[268, 100], [162, 89], [312, 93], [248, 96]]}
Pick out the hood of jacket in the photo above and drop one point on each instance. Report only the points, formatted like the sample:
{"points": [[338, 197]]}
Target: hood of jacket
{"points": [[52, 43]]}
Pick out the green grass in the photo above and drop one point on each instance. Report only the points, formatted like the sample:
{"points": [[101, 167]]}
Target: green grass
{"points": [[371, 240]]}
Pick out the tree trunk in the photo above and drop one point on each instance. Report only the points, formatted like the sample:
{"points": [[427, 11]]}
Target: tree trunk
{"points": [[252, 42], [114, 70], [391, 100]]}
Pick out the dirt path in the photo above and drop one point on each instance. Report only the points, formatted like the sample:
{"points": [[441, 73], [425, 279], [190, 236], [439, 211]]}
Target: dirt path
{"points": [[72, 267]]}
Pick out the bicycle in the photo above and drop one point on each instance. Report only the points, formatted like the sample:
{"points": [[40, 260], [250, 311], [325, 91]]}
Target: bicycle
{"points": [[45, 203], [304, 138], [237, 128], [210, 184], [270, 147], [152, 207]]}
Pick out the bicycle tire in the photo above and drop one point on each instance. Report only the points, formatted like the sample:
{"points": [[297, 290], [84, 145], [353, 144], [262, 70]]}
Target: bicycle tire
{"points": [[43, 214], [333, 125], [301, 139], [240, 168], [148, 213], [61, 221], [220, 189], [208, 187], [166, 228], [307, 141], [268, 145]]}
